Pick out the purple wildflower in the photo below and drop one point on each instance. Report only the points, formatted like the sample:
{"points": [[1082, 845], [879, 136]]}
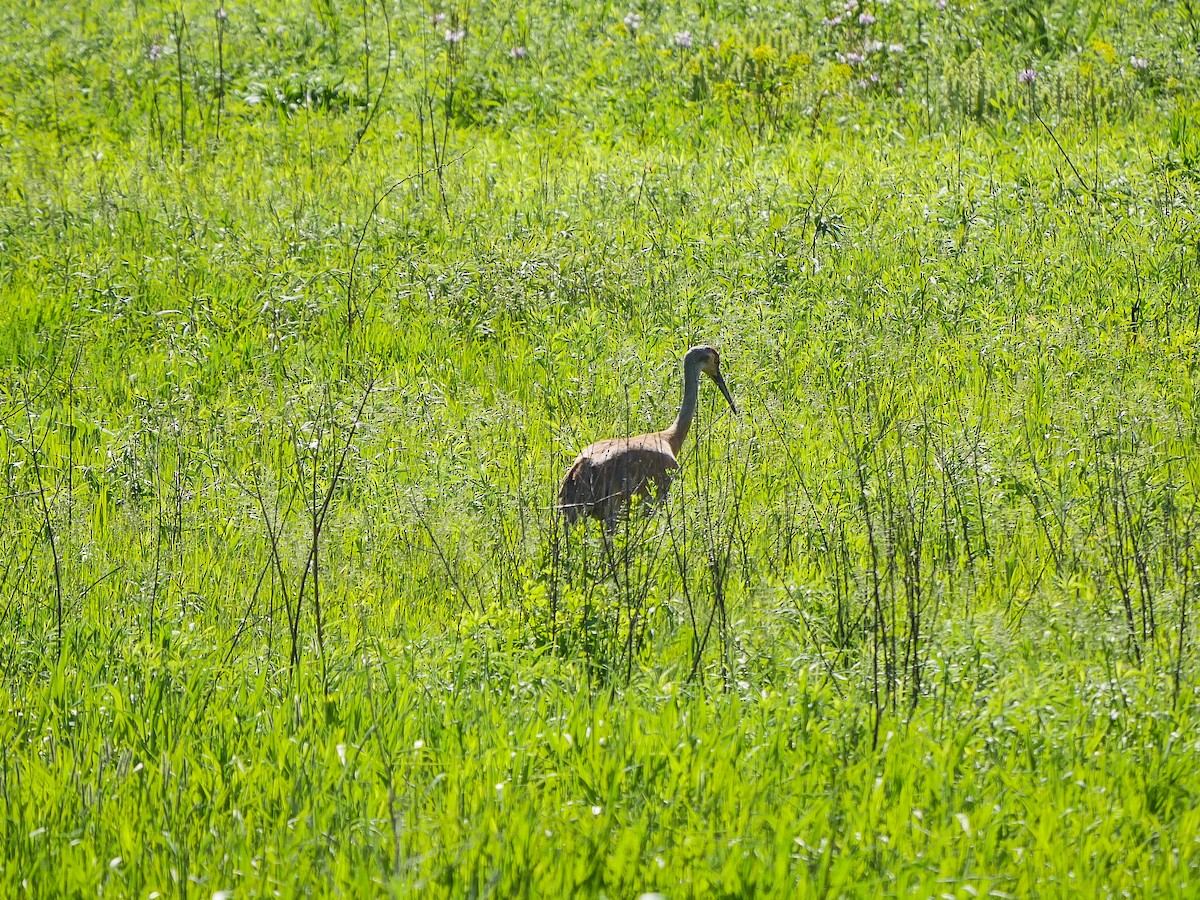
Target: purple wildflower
{"points": [[1027, 76], [517, 52], [455, 37], [1139, 63], [866, 19], [683, 39]]}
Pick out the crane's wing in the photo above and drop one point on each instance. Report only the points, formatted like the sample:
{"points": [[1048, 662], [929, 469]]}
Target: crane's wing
{"points": [[607, 474]]}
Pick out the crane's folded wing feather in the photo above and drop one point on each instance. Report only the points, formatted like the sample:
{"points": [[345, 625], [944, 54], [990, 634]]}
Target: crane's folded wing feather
{"points": [[614, 470]]}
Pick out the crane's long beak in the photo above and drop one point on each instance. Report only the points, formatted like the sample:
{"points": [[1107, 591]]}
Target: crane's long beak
{"points": [[717, 377]]}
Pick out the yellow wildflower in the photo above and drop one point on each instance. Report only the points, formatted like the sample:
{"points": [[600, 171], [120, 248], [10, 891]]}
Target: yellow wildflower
{"points": [[763, 53], [1105, 50]]}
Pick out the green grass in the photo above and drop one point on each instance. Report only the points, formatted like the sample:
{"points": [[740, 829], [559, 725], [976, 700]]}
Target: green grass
{"points": [[305, 310]]}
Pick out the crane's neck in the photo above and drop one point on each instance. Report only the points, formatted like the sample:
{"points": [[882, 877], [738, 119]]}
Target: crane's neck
{"points": [[678, 431]]}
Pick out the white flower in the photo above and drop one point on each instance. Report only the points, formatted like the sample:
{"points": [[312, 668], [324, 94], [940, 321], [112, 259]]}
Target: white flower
{"points": [[1138, 62], [896, 49], [633, 21], [683, 39], [456, 36]]}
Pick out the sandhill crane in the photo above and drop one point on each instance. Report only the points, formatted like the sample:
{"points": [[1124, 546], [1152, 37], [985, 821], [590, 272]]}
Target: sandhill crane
{"points": [[607, 475]]}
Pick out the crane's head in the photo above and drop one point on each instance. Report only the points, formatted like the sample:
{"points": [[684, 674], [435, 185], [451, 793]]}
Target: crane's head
{"points": [[708, 361]]}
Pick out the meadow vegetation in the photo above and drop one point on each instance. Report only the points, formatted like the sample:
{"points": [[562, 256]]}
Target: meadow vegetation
{"points": [[305, 308]]}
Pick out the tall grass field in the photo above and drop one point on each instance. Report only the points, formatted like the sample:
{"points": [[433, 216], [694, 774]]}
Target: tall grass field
{"points": [[306, 307]]}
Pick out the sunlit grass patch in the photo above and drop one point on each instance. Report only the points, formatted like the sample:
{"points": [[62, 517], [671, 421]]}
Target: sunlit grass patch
{"points": [[305, 310]]}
